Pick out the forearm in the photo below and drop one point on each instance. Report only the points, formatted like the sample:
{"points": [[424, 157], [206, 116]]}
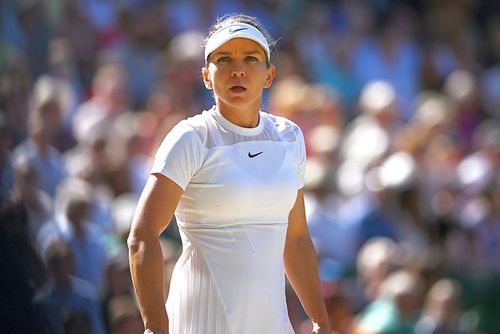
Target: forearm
{"points": [[154, 210], [302, 271], [146, 266]]}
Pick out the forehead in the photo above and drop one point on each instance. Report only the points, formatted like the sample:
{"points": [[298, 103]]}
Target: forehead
{"points": [[240, 45]]}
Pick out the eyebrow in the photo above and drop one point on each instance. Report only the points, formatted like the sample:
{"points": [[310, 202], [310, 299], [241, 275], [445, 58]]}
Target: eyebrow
{"points": [[226, 53], [253, 52]]}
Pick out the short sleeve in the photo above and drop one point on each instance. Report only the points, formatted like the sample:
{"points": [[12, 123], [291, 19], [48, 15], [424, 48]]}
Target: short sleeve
{"points": [[180, 155], [301, 159]]}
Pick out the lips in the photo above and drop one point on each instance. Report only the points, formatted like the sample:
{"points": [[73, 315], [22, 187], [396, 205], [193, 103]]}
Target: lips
{"points": [[237, 89]]}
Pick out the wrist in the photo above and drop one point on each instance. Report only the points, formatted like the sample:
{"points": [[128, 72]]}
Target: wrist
{"points": [[155, 331], [321, 327], [156, 326]]}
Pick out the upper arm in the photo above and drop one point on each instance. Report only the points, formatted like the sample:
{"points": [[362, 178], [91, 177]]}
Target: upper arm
{"points": [[177, 159], [156, 207], [297, 224]]}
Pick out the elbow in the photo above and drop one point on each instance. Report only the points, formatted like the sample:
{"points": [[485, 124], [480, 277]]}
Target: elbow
{"points": [[134, 244], [138, 242]]}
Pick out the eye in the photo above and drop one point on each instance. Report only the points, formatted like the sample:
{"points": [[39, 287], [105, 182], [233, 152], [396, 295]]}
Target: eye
{"points": [[251, 59], [223, 59]]}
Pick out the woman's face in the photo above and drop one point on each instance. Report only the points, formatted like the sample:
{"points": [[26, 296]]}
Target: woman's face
{"points": [[237, 72]]}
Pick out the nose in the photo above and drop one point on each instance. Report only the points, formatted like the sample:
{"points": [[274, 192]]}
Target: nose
{"points": [[238, 69]]}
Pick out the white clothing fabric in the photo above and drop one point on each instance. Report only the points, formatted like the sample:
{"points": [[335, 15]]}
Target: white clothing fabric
{"points": [[239, 187]]}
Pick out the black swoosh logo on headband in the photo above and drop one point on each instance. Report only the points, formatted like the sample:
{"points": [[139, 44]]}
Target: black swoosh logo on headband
{"points": [[251, 156], [232, 30]]}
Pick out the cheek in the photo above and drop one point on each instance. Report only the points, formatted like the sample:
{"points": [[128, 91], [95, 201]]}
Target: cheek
{"points": [[218, 79], [213, 70], [215, 76]]}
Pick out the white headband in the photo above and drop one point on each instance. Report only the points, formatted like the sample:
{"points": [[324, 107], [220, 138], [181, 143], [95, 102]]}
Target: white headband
{"points": [[236, 30]]}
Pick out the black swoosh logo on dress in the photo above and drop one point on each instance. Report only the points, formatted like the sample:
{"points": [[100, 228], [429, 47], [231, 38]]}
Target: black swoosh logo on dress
{"points": [[251, 156]]}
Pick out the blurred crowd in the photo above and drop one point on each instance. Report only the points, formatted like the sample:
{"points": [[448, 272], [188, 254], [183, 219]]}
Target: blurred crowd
{"points": [[399, 102]]}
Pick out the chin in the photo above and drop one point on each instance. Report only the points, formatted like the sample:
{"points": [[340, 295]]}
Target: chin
{"points": [[237, 101]]}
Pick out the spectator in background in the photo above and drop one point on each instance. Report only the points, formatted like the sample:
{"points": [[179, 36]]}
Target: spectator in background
{"points": [[326, 50], [366, 142], [15, 94], [103, 16], [64, 72], [369, 136], [39, 205], [45, 122], [124, 316], [84, 41], [391, 54], [30, 32], [442, 310], [489, 87], [6, 168], [340, 311], [333, 236], [478, 211], [109, 99], [76, 322], [376, 260], [66, 295], [487, 237], [461, 87], [180, 65], [22, 272], [469, 247], [317, 108], [86, 239], [90, 161], [450, 42], [395, 213], [117, 284], [430, 139], [144, 35], [395, 308], [158, 118], [128, 164]]}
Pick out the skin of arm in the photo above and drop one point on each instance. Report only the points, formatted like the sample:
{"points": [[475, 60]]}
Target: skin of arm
{"points": [[154, 211], [301, 266]]}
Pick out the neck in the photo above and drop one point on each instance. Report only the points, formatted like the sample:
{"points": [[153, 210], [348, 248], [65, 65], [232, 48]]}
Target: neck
{"points": [[62, 283], [42, 144], [246, 117], [29, 198]]}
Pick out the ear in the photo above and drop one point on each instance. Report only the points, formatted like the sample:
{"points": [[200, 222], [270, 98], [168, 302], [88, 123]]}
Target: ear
{"points": [[271, 72], [205, 74]]}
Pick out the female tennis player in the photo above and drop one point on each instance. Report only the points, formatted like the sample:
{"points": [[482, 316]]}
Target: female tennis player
{"points": [[233, 175]]}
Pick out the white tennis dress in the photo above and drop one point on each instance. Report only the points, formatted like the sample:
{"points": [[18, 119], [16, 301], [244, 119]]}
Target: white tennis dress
{"points": [[239, 187]]}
